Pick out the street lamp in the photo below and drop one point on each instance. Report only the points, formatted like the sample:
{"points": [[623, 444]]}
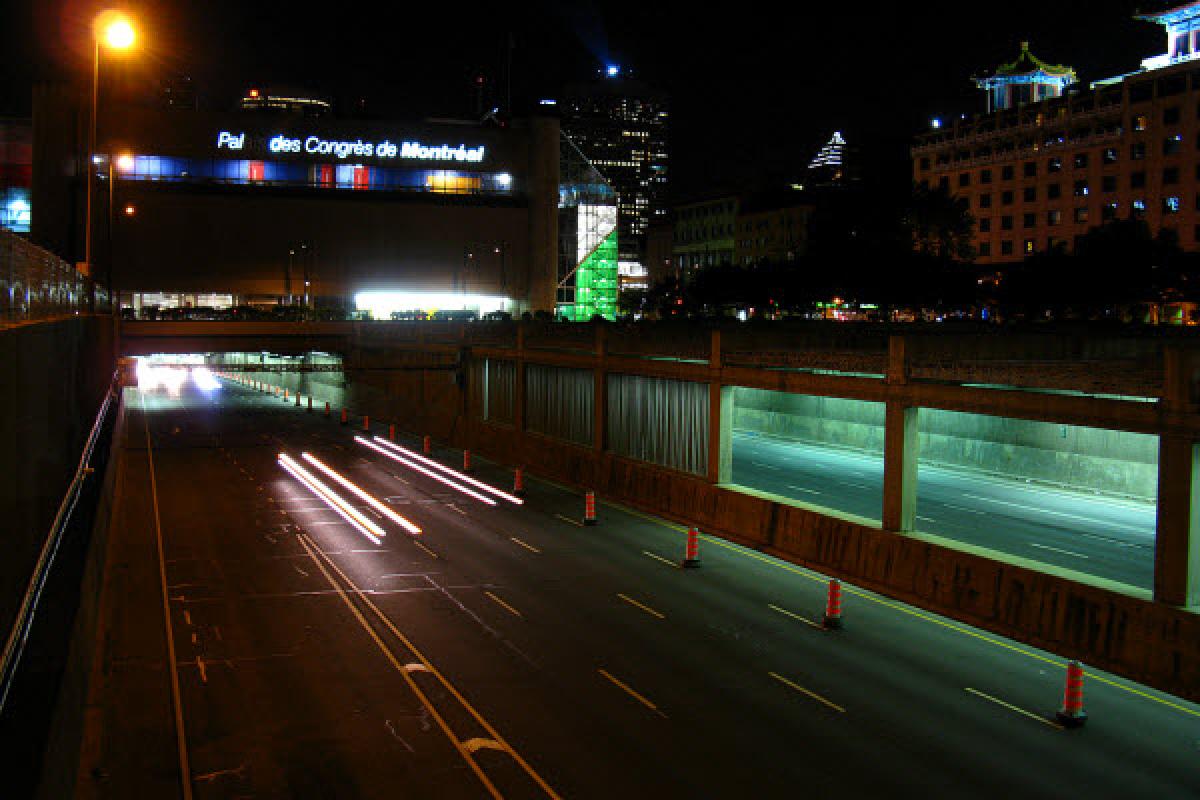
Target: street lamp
{"points": [[115, 31]]}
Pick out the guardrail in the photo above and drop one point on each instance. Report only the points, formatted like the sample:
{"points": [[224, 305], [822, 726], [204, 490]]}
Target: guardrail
{"points": [[14, 645]]}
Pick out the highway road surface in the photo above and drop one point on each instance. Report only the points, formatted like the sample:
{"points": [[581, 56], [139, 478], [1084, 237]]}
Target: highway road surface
{"points": [[1102, 536], [509, 651]]}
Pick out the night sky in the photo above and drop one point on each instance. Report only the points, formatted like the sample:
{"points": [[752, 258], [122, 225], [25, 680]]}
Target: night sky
{"points": [[756, 87]]}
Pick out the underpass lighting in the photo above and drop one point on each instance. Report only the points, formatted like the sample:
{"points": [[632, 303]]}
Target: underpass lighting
{"points": [[438, 465], [332, 499], [418, 468], [205, 380], [382, 508]]}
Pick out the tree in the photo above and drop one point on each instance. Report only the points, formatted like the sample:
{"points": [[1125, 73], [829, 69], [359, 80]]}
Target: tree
{"points": [[940, 225]]}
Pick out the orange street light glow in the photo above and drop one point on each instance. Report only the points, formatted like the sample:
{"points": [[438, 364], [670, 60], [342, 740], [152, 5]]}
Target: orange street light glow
{"points": [[115, 30], [332, 499], [125, 162], [418, 468], [362, 495], [437, 465]]}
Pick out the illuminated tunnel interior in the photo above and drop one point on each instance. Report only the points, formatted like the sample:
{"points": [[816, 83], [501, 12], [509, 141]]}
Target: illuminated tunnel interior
{"points": [[1067, 497]]}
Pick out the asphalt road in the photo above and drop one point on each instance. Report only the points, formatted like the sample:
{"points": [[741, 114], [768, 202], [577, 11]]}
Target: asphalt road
{"points": [[512, 652], [1101, 536]]}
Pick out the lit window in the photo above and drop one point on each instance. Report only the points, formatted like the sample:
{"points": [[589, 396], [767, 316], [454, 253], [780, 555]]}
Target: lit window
{"points": [[1170, 205], [1030, 247], [1139, 122]]}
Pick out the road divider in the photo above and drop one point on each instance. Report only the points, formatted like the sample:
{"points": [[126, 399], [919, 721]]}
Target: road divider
{"points": [[807, 692], [625, 688], [642, 606]]}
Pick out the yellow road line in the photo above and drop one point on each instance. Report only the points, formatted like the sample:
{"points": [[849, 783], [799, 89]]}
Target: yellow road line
{"points": [[527, 546], [501, 602], [647, 609], [487, 726], [805, 620], [313, 552], [1011, 707], [657, 557], [909, 611], [574, 522], [808, 692], [426, 549], [619, 684], [185, 769]]}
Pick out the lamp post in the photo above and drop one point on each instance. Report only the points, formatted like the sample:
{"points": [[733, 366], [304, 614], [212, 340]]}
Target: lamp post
{"points": [[114, 31]]}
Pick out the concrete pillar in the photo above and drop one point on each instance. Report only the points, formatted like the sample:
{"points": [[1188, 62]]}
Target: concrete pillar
{"points": [[519, 388], [1177, 543], [899, 448], [600, 388], [720, 433], [900, 468], [720, 418]]}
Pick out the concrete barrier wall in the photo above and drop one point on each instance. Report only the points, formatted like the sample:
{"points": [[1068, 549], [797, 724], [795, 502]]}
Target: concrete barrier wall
{"points": [[1114, 462], [54, 375], [1152, 643]]}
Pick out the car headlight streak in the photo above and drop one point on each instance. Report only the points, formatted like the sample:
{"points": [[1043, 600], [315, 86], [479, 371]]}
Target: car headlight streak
{"points": [[333, 500], [417, 467], [436, 465], [362, 495]]}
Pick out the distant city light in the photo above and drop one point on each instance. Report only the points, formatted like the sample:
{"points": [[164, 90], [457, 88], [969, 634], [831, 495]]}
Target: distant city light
{"points": [[612, 70], [935, 123], [548, 102], [125, 162], [381, 304], [504, 179], [130, 210]]}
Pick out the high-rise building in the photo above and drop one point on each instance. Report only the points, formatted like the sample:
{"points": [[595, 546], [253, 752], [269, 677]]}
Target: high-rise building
{"points": [[620, 125], [1051, 158], [835, 164]]}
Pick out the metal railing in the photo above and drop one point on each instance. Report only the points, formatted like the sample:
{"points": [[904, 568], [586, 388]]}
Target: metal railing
{"points": [[14, 645], [36, 284]]}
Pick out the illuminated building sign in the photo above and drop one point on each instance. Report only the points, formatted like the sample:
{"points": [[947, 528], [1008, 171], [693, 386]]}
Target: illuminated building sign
{"points": [[357, 148]]}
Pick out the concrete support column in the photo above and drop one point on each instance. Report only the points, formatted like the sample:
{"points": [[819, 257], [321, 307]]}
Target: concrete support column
{"points": [[900, 444], [1177, 542], [519, 388], [720, 433], [720, 418], [900, 468], [600, 389]]}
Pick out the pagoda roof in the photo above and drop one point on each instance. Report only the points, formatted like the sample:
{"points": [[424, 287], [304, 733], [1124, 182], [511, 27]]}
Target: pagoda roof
{"points": [[1174, 12], [1029, 64]]}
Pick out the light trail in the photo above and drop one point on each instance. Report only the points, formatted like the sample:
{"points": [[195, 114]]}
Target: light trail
{"points": [[333, 499], [382, 508], [415, 466], [438, 465]]}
